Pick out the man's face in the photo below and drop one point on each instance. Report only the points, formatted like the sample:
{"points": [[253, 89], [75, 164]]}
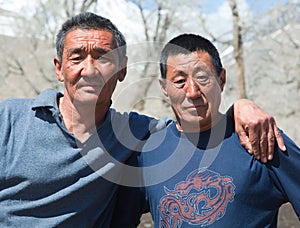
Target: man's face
{"points": [[90, 66], [194, 90]]}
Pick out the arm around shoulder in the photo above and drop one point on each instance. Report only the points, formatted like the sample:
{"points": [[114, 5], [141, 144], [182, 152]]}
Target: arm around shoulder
{"points": [[257, 130]]}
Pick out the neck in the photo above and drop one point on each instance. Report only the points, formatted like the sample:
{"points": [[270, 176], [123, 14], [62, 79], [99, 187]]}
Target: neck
{"points": [[196, 127], [82, 120]]}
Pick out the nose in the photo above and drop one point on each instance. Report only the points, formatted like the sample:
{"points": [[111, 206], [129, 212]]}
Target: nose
{"points": [[193, 90], [89, 68]]}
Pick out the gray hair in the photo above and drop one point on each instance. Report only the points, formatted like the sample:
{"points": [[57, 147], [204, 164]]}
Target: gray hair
{"points": [[88, 21]]}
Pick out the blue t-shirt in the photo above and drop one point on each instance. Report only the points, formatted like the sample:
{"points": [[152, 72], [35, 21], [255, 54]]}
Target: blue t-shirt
{"points": [[208, 179], [50, 179]]}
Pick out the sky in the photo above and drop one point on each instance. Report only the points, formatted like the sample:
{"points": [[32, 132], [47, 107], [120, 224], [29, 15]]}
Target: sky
{"points": [[217, 13], [256, 5], [210, 5], [16, 5]]}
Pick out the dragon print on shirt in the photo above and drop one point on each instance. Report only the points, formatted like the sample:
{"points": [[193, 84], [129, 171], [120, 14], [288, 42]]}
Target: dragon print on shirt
{"points": [[199, 200]]}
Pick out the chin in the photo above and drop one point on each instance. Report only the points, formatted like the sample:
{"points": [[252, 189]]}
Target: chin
{"points": [[87, 100], [190, 123]]}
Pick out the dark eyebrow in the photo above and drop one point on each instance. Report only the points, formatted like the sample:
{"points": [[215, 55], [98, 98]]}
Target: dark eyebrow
{"points": [[102, 51], [74, 50], [201, 69], [80, 50], [179, 72]]}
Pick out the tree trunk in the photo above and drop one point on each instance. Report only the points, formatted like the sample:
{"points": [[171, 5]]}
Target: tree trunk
{"points": [[238, 49]]}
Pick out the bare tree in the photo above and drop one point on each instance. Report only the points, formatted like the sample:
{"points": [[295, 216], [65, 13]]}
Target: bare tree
{"points": [[238, 48], [236, 42], [156, 23], [29, 59]]}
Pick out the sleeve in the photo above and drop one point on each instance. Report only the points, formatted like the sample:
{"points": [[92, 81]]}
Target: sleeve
{"points": [[285, 169], [131, 203], [130, 206], [140, 124]]}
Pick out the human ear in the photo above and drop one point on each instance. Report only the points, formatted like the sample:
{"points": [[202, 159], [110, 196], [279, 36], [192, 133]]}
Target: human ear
{"points": [[222, 80], [123, 70], [163, 84], [58, 71]]}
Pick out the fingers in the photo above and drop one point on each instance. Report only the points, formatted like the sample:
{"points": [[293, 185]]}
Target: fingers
{"points": [[262, 139], [254, 132], [274, 134], [271, 144], [279, 139], [262, 136], [249, 140], [257, 130], [264, 143], [244, 140]]}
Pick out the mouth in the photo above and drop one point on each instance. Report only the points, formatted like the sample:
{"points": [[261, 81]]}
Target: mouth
{"points": [[196, 105], [91, 84], [94, 88], [96, 82]]}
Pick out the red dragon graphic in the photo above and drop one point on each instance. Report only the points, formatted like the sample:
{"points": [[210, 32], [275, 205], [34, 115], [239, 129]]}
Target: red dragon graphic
{"points": [[199, 200]]}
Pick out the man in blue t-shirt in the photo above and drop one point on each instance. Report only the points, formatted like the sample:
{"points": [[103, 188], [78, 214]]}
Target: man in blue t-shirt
{"points": [[62, 155], [195, 171]]}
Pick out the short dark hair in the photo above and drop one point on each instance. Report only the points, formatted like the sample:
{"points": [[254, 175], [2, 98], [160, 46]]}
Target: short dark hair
{"points": [[185, 44], [88, 21]]}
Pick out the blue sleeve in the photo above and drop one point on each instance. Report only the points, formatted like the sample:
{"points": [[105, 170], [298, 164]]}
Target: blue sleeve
{"points": [[131, 203], [285, 170], [139, 124], [129, 208]]}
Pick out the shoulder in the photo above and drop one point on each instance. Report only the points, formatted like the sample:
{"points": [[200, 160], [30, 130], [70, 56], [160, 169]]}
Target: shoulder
{"points": [[44, 97], [291, 155], [13, 112], [115, 115], [15, 106], [12, 102], [160, 145], [23, 106], [133, 117], [137, 122], [284, 170], [168, 131], [285, 164], [289, 143]]}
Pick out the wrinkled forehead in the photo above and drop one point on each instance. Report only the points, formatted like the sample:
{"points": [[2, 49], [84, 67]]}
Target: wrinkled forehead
{"points": [[195, 60], [95, 36]]}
